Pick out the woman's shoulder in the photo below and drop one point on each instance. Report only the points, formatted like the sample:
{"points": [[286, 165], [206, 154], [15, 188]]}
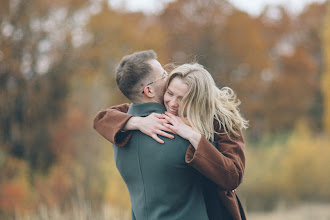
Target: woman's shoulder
{"points": [[224, 134]]}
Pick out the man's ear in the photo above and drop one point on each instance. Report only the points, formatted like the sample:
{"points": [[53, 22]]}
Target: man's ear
{"points": [[148, 91]]}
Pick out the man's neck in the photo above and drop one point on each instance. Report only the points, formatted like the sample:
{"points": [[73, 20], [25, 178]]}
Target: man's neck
{"points": [[145, 109], [141, 101]]}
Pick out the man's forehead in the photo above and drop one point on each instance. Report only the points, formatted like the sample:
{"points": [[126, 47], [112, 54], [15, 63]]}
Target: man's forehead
{"points": [[156, 67], [154, 62]]}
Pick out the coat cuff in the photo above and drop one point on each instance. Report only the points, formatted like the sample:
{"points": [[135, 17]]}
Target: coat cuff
{"points": [[194, 156], [190, 154], [122, 137]]}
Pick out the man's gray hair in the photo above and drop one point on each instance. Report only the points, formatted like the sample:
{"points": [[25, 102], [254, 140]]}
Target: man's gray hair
{"points": [[131, 70]]}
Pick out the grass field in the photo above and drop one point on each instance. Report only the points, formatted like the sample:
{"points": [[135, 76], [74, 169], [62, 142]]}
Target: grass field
{"points": [[305, 211], [310, 211]]}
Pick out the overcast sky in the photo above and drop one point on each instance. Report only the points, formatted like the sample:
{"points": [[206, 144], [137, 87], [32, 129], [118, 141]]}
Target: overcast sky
{"points": [[254, 7]]}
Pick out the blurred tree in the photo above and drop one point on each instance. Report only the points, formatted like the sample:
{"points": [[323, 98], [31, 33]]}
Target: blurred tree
{"points": [[36, 57], [248, 67], [274, 23], [15, 190], [292, 91], [309, 24], [325, 82], [194, 27]]}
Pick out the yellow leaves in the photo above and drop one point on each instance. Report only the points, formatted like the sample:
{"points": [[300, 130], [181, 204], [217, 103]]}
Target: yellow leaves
{"points": [[116, 192], [325, 83], [290, 171], [13, 168], [53, 188], [297, 163], [17, 194], [260, 181]]}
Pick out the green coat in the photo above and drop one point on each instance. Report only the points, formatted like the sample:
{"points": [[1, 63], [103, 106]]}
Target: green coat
{"points": [[162, 186]]}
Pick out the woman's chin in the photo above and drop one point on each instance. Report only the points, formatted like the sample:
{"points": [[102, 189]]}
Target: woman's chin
{"points": [[173, 112]]}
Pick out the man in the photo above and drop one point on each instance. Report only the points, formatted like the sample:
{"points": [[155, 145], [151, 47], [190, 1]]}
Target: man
{"points": [[160, 183]]}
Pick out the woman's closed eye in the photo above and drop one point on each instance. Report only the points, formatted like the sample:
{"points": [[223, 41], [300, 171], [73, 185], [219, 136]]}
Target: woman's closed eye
{"points": [[169, 92]]}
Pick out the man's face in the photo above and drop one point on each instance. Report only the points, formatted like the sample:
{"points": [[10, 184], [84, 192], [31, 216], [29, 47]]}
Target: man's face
{"points": [[159, 79]]}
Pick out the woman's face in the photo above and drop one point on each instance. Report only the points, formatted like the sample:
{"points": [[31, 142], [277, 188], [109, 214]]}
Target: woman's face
{"points": [[176, 90]]}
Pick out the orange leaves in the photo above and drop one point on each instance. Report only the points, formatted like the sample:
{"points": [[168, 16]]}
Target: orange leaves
{"points": [[14, 186], [14, 196], [19, 193], [55, 188]]}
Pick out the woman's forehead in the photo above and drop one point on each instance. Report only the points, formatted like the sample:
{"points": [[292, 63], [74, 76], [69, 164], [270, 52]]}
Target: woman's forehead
{"points": [[177, 84]]}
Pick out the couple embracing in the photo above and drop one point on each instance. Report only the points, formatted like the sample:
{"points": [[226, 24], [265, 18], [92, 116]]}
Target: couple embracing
{"points": [[178, 145]]}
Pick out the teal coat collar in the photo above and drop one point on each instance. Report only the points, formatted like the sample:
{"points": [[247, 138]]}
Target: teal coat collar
{"points": [[146, 109]]}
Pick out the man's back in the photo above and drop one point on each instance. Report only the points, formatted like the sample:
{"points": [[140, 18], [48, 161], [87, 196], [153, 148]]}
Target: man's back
{"points": [[160, 183]]}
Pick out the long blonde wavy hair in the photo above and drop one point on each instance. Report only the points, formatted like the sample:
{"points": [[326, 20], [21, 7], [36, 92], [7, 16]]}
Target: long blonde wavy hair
{"points": [[205, 102]]}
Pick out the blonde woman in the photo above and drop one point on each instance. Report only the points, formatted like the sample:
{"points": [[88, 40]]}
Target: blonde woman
{"points": [[206, 116]]}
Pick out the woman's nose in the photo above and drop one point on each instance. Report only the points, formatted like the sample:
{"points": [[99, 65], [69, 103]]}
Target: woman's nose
{"points": [[174, 103]]}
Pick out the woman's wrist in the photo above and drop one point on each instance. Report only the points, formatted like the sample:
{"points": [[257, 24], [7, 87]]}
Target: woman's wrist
{"points": [[132, 124], [194, 139]]}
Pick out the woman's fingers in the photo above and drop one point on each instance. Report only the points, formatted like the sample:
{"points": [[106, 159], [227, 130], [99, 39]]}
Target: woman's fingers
{"points": [[170, 115], [162, 121], [162, 115], [171, 127], [156, 138], [169, 119], [157, 115], [164, 128], [175, 119], [164, 134]]}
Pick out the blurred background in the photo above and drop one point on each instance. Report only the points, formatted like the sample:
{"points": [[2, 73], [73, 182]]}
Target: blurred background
{"points": [[57, 61]]}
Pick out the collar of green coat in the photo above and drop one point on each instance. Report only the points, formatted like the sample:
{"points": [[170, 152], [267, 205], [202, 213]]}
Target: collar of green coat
{"points": [[145, 109]]}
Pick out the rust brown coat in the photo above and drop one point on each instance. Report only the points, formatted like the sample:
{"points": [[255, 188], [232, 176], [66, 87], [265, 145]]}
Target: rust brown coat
{"points": [[223, 165]]}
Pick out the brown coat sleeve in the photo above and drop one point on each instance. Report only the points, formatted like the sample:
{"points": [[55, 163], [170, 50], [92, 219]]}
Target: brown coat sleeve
{"points": [[223, 165], [109, 123]]}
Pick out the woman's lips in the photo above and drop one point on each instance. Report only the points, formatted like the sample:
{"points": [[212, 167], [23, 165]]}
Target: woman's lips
{"points": [[172, 111]]}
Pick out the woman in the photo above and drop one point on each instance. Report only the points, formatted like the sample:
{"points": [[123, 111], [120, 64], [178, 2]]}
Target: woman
{"points": [[209, 119]]}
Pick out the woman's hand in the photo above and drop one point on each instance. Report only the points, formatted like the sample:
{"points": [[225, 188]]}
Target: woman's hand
{"points": [[177, 126], [153, 125]]}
